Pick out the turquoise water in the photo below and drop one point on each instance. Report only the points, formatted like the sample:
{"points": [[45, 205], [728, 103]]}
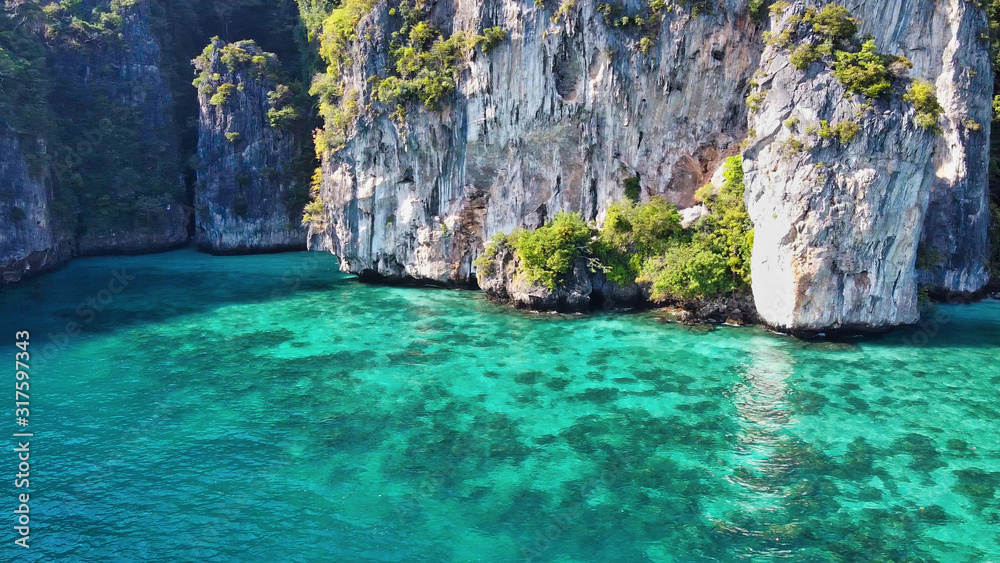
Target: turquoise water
{"points": [[269, 408]]}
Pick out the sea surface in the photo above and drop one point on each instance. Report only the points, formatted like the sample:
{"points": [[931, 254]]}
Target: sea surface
{"points": [[271, 408]]}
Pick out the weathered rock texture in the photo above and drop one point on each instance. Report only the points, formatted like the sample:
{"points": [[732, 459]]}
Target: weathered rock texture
{"points": [[838, 226], [553, 119], [560, 114], [943, 39], [245, 194], [28, 241], [110, 149], [131, 197]]}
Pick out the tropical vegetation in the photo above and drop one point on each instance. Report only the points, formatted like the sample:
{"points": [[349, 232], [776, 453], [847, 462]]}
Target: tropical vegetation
{"points": [[644, 243]]}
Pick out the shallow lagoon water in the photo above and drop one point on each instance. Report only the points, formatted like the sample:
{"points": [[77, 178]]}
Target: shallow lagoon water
{"points": [[271, 408]]}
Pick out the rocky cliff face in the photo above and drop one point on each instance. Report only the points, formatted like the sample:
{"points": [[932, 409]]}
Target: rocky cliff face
{"points": [[28, 242], [837, 209], [563, 111], [248, 193], [555, 118], [944, 40], [99, 84], [90, 162], [575, 100], [119, 150], [845, 228]]}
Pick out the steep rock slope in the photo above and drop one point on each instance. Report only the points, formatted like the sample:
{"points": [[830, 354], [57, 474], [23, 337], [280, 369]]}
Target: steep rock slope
{"points": [[28, 243], [249, 194], [118, 148], [838, 193], [945, 40], [853, 216], [97, 95], [572, 103], [555, 118]]}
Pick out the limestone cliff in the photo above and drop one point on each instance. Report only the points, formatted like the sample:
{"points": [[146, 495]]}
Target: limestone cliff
{"points": [[944, 40], [509, 112], [117, 148], [838, 194], [849, 195], [89, 160], [249, 194], [28, 242], [569, 105], [555, 118]]}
